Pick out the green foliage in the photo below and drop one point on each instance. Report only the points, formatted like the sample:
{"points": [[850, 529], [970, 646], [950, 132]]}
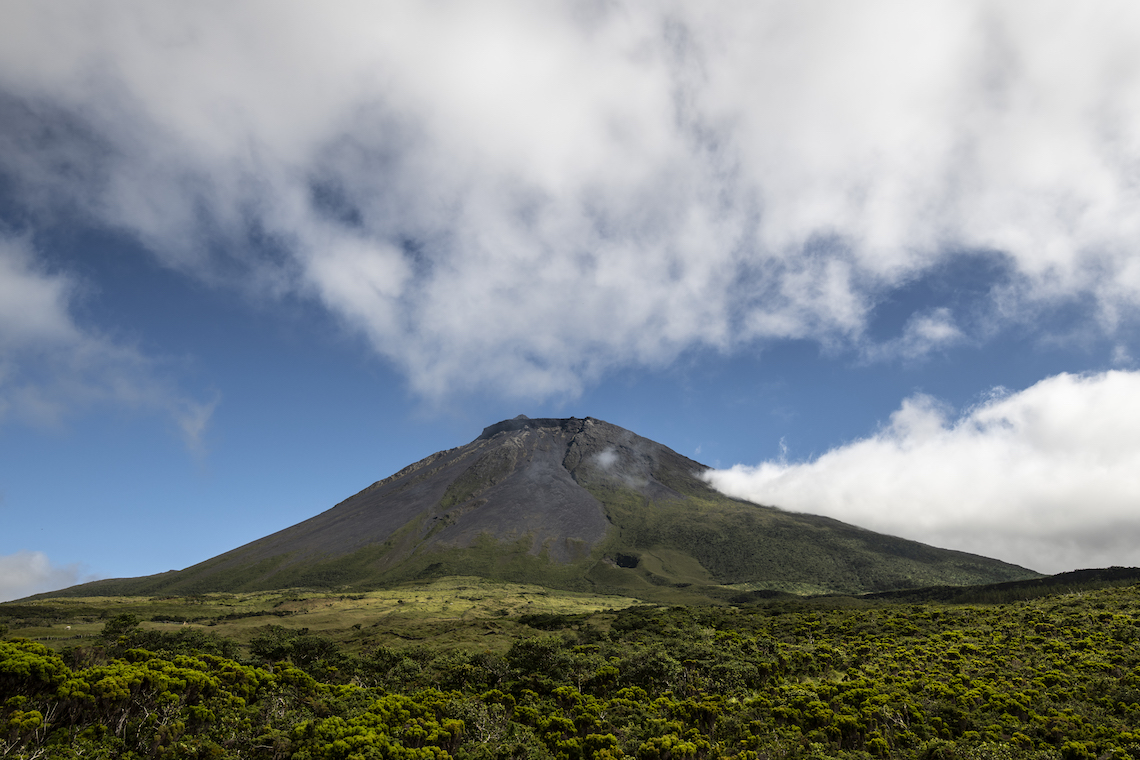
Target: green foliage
{"points": [[124, 632], [122, 626], [1047, 679], [313, 653]]}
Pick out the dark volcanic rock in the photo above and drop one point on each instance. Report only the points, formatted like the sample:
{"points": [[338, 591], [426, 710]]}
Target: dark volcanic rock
{"points": [[517, 481], [521, 488]]}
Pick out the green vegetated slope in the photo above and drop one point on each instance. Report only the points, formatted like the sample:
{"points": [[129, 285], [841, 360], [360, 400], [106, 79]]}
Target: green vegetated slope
{"points": [[1054, 677], [571, 504]]}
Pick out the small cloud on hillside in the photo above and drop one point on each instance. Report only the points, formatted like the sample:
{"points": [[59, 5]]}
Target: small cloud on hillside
{"points": [[1047, 478], [25, 573], [607, 458]]}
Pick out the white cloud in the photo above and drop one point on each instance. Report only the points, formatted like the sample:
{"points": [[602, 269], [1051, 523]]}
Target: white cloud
{"points": [[50, 366], [25, 573], [1122, 357], [607, 459], [523, 197], [924, 332], [1047, 478]]}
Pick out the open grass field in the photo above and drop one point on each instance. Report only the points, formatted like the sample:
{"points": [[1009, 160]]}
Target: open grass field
{"points": [[446, 613]]}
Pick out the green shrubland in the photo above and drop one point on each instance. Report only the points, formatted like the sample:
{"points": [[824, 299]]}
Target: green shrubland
{"points": [[1056, 676]]}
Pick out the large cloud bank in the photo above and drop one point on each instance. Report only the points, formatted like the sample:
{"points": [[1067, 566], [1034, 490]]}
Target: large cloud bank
{"points": [[522, 197], [1048, 478]]}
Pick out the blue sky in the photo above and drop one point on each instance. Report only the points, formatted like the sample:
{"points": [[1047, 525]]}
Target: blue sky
{"points": [[876, 261]]}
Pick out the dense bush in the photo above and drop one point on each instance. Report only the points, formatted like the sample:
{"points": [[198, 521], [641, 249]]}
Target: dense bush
{"points": [[1057, 677]]}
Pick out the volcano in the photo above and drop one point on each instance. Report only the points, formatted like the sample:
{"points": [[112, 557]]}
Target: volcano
{"points": [[577, 504]]}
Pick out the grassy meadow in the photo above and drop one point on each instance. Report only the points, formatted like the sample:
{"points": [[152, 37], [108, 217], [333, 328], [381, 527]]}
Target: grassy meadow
{"points": [[448, 612]]}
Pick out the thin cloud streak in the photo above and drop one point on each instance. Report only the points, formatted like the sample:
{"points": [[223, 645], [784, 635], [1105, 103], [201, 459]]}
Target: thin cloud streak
{"points": [[1047, 478], [523, 198], [50, 366]]}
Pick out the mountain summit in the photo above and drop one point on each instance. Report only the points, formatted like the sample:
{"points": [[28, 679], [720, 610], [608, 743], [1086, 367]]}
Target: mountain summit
{"points": [[577, 504]]}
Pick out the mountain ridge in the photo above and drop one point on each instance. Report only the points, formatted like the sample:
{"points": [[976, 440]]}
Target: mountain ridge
{"points": [[575, 503]]}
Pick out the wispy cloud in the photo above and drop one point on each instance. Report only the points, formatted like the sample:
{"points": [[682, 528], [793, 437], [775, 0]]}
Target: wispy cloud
{"points": [[1048, 478], [525, 197], [50, 366], [923, 334], [26, 573]]}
